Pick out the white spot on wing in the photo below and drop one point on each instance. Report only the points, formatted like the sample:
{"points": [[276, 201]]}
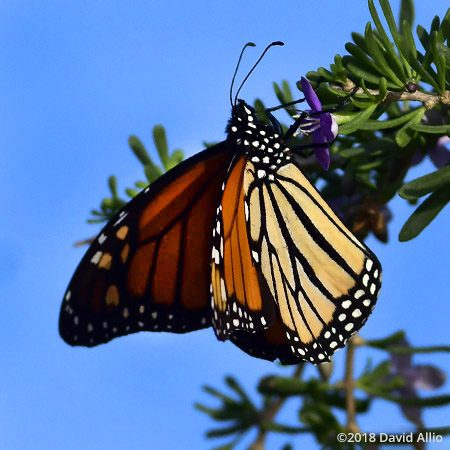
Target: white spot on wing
{"points": [[346, 304], [223, 291], [96, 258], [365, 279], [122, 216]]}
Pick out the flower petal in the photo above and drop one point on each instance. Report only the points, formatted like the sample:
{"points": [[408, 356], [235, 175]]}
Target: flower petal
{"points": [[322, 153], [323, 156], [428, 377], [310, 95], [412, 413], [417, 158], [401, 362], [328, 126], [440, 155]]}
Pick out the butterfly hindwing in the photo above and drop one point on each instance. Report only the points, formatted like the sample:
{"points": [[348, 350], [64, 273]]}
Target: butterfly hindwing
{"points": [[281, 258], [148, 269], [323, 280]]}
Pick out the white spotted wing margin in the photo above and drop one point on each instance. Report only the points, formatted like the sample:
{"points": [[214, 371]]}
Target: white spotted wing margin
{"points": [[323, 281]]}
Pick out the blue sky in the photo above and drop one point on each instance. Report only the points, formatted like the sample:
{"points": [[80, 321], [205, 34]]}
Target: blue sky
{"points": [[76, 79]]}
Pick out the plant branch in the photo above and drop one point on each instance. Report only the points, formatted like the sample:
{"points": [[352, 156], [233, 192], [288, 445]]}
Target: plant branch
{"points": [[269, 414], [352, 426], [428, 100]]}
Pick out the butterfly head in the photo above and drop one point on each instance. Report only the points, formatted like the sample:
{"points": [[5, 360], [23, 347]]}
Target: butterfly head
{"points": [[242, 115]]}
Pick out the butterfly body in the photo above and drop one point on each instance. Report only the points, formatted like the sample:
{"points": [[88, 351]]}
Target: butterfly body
{"points": [[235, 237]]}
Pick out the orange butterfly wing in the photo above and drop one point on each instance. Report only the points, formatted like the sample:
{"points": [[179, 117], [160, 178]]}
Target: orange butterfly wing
{"points": [[149, 267], [238, 302]]}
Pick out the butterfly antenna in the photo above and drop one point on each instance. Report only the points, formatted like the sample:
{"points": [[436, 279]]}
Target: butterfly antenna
{"points": [[248, 44], [254, 67]]}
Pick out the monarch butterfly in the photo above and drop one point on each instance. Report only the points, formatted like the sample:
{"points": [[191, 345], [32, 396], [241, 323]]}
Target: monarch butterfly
{"points": [[234, 237]]}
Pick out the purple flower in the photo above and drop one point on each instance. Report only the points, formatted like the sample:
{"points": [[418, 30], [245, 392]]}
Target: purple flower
{"points": [[425, 377], [322, 126], [439, 155]]}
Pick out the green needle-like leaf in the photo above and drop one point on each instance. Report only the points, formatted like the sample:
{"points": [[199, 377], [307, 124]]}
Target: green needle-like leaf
{"points": [[423, 35], [394, 58], [279, 93], [358, 120], [439, 400], [386, 124], [386, 342], [379, 59], [363, 60], [222, 432], [236, 387], [444, 30], [426, 184], [326, 74], [407, 44], [216, 393], [139, 150], [444, 50], [432, 129], [412, 350], [112, 183], [338, 69], [425, 72], [287, 91], [360, 41], [280, 428], [152, 172], [131, 192], [424, 214], [404, 135], [355, 67], [175, 159], [406, 14], [160, 139]]}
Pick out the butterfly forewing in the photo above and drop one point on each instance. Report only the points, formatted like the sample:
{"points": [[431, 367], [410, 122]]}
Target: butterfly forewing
{"points": [[236, 294], [148, 269]]}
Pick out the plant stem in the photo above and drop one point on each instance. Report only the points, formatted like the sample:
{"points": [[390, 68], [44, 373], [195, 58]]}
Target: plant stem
{"points": [[428, 100], [269, 414], [352, 426]]}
